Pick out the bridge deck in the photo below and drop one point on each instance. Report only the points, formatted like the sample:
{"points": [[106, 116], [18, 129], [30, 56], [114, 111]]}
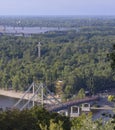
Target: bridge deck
{"points": [[65, 105], [102, 108]]}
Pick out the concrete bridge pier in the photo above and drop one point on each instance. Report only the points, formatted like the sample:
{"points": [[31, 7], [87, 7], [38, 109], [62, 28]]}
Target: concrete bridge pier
{"points": [[74, 111], [85, 107]]}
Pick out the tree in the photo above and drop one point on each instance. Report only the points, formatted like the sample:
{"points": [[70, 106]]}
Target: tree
{"points": [[112, 58], [81, 93]]}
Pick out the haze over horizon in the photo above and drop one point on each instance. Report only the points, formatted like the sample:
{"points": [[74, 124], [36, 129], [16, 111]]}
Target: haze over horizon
{"points": [[57, 7]]}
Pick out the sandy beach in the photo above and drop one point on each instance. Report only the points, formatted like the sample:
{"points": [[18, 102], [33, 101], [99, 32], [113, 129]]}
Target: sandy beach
{"points": [[14, 94]]}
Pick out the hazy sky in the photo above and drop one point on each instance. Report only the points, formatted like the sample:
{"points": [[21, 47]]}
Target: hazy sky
{"points": [[57, 7]]}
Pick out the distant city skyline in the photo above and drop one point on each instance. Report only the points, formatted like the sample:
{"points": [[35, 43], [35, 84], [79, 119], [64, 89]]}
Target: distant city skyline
{"points": [[57, 7]]}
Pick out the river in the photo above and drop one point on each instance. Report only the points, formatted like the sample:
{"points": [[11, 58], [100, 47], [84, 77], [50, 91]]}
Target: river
{"points": [[8, 102], [32, 30]]}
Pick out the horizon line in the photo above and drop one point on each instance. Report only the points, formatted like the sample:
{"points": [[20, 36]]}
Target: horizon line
{"points": [[53, 15]]}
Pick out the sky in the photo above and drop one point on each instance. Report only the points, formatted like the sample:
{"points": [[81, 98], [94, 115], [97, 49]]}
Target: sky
{"points": [[57, 7]]}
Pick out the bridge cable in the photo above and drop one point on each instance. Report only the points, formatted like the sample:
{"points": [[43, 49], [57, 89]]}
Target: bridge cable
{"points": [[31, 97], [23, 95]]}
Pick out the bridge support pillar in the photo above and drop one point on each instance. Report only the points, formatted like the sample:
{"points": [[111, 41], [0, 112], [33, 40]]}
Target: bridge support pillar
{"points": [[86, 107], [74, 111]]}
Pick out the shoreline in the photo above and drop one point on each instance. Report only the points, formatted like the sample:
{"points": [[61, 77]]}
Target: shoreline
{"points": [[14, 94]]}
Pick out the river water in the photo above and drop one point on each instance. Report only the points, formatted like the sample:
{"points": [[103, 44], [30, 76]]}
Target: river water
{"points": [[8, 102], [33, 30]]}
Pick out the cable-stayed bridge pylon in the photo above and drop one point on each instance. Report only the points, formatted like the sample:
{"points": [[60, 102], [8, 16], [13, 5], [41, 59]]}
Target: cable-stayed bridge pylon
{"points": [[37, 94]]}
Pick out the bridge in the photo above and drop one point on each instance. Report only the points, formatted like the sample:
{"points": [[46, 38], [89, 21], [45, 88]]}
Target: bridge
{"points": [[37, 96], [68, 104], [41, 95]]}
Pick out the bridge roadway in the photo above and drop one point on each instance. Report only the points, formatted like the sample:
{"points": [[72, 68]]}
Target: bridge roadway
{"points": [[65, 105], [102, 108]]}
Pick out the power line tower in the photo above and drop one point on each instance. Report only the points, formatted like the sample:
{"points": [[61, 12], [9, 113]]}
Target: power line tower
{"points": [[39, 49]]}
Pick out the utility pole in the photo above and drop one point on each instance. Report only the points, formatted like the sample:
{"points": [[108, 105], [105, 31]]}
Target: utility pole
{"points": [[42, 96], [33, 94], [39, 49]]}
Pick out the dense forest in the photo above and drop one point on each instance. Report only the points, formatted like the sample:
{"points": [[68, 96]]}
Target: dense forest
{"points": [[58, 21], [38, 118], [78, 58]]}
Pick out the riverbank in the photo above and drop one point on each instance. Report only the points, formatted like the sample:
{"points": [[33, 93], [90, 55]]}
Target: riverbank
{"points": [[18, 95], [14, 94]]}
